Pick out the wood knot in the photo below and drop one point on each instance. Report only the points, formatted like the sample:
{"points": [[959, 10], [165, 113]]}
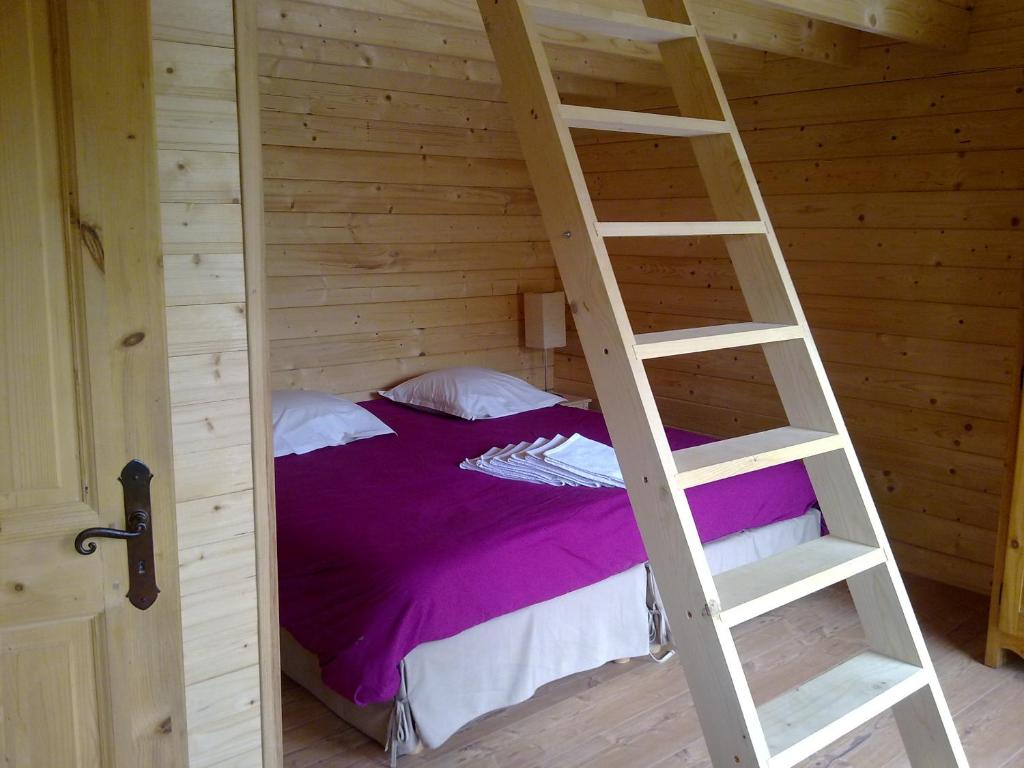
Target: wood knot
{"points": [[133, 339], [93, 243], [19, 587], [166, 726]]}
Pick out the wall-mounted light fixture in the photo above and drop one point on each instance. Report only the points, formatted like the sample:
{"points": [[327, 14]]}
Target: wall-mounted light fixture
{"points": [[544, 316]]}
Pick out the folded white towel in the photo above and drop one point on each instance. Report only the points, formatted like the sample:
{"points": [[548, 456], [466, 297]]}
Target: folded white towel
{"points": [[558, 461], [589, 458], [533, 458], [494, 462]]}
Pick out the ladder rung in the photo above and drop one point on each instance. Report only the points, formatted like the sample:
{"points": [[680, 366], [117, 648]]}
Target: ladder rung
{"points": [[749, 453], [754, 589], [588, 18], [599, 119], [801, 721], [712, 337], [678, 228]]}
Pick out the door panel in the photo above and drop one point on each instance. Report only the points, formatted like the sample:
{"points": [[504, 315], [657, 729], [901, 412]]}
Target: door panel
{"points": [[40, 478], [49, 681], [36, 380], [85, 678]]}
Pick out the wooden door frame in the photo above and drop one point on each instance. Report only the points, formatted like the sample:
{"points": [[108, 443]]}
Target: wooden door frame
{"points": [[250, 147], [112, 124]]}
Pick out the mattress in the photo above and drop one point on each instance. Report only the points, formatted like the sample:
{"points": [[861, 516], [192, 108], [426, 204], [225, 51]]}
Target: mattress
{"points": [[385, 544]]}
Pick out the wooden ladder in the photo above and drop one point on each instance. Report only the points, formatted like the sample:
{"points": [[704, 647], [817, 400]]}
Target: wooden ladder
{"points": [[896, 672]]}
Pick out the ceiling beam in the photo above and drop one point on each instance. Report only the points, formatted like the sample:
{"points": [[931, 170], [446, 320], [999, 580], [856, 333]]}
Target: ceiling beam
{"points": [[754, 25], [926, 22], [738, 22], [300, 57], [447, 29]]}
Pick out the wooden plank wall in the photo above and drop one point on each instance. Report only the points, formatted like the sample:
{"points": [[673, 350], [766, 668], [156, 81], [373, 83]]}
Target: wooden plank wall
{"points": [[895, 186], [400, 224], [401, 228], [197, 132]]}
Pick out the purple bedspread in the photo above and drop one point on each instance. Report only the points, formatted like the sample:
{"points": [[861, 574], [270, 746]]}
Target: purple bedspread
{"points": [[385, 543]]}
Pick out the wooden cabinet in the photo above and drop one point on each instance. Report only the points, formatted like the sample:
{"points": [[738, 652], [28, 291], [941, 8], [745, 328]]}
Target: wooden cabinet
{"points": [[1006, 621]]}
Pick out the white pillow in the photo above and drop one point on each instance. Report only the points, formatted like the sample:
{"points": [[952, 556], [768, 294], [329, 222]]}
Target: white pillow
{"points": [[305, 421], [471, 393]]}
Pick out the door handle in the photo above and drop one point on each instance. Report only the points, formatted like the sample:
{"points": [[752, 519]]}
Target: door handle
{"points": [[142, 589], [138, 523]]}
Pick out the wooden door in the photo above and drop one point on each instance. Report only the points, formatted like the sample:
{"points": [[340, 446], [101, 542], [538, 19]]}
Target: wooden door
{"points": [[85, 678]]}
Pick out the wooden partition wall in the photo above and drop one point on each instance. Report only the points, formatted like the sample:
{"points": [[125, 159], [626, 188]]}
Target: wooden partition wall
{"points": [[401, 227], [208, 344], [895, 186]]}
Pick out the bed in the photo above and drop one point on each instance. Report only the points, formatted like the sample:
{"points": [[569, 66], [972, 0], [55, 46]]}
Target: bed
{"points": [[416, 596]]}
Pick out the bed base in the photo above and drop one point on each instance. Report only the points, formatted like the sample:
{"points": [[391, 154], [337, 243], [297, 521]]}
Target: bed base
{"points": [[377, 721], [303, 667]]}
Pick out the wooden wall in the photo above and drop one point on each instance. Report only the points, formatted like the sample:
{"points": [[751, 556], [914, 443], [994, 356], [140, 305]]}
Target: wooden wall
{"points": [[197, 132], [401, 227], [896, 189]]}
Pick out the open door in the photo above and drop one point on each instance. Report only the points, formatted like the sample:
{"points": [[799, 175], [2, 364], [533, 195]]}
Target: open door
{"points": [[86, 678]]}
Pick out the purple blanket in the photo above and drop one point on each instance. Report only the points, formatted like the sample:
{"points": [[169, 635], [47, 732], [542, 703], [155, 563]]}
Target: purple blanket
{"points": [[385, 543]]}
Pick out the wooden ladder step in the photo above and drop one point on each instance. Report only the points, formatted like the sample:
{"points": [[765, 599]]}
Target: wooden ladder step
{"points": [[598, 119], [678, 228], [590, 19], [749, 453], [687, 341], [756, 588], [804, 720]]}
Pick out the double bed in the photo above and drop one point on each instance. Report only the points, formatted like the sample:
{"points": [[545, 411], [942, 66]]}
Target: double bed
{"points": [[416, 596]]}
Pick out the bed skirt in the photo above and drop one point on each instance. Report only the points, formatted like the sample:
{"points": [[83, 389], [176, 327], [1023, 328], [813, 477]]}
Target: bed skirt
{"points": [[449, 683]]}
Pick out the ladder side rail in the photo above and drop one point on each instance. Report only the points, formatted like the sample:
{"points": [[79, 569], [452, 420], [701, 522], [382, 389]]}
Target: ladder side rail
{"points": [[722, 697], [764, 279], [879, 595], [796, 366]]}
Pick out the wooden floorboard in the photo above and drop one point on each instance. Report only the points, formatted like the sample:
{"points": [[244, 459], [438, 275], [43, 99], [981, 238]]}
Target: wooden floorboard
{"points": [[640, 715]]}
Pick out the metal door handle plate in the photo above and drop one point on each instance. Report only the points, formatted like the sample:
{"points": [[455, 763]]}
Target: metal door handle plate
{"points": [[138, 533]]}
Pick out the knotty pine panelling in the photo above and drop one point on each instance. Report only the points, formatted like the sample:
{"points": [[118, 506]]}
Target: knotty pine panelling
{"points": [[197, 135], [401, 226], [895, 186]]}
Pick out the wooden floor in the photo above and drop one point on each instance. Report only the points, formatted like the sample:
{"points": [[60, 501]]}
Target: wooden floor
{"points": [[640, 715]]}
